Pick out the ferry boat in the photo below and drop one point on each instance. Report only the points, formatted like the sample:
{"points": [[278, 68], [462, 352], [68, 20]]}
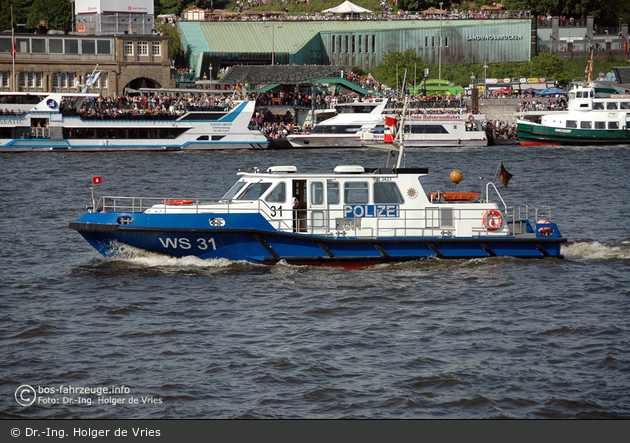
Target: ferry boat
{"points": [[42, 122], [341, 130], [438, 130], [596, 114], [351, 217]]}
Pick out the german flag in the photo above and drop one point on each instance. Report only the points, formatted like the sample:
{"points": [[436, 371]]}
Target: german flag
{"points": [[504, 176]]}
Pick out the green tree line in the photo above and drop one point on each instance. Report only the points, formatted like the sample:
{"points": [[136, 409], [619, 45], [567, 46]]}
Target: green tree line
{"points": [[59, 12], [392, 69]]}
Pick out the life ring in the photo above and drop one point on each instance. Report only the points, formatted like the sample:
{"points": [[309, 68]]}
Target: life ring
{"points": [[492, 220], [177, 202], [470, 117]]}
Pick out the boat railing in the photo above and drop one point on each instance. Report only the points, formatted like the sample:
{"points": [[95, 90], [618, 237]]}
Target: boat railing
{"points": [[443, 220], [489, 187]]}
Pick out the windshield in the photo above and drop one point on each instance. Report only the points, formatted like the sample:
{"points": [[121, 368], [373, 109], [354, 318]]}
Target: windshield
{"points": [[254, 191], [235, 189]]}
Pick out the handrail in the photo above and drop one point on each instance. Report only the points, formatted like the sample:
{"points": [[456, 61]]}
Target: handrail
{"points": [[498, 193]]}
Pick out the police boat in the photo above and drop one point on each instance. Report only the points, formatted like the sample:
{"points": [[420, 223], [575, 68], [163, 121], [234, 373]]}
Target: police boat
{"points": [[351, 217]]}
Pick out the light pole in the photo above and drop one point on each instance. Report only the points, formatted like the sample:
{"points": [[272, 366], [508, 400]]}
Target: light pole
{"points": [[485, 67], [440, 48], [273, 41], [72, 12]]}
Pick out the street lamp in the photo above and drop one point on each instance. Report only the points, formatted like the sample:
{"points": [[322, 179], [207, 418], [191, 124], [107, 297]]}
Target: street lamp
{"points": [[485, 67], [440, 48], [273, 41], [72, 12]]}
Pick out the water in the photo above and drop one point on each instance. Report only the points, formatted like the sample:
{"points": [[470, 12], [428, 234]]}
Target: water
{"points": [[486, 338]]}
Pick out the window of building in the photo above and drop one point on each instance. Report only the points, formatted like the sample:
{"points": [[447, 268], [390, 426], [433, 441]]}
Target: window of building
{"points": [[55, 46], [156, 49], [72, 46], [373, 43], [354, 42], [446, 42], [5, 45], [128, 48], [4, 79], [38, 45], [102, 80], [23, 44], [426, 42], [143, 48], [103, 47], [332, 49], [347, 40], [360, 43], [433, 42], [88, 46]]}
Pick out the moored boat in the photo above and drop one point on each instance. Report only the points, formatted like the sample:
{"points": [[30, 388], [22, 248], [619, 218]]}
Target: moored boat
{"points": [[596, 114], [343, 129], [350, 217], [57, 122]]}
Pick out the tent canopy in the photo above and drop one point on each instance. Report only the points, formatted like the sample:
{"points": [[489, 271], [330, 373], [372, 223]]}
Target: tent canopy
{"points": [[347, 7], [552, 91]]}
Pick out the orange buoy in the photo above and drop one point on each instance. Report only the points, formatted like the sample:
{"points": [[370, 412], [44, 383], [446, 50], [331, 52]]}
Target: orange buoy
{"points": [[457, 176]]}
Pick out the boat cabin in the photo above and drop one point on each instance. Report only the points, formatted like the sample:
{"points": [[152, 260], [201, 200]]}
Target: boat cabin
{"points": [[350, 202]]}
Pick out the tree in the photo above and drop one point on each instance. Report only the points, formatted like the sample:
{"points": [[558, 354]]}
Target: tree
{"points": [[391, 70], [56, 12]]}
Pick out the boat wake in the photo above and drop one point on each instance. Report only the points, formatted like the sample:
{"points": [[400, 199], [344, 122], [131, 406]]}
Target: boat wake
{"points": [[142, 257], [591, 250]]}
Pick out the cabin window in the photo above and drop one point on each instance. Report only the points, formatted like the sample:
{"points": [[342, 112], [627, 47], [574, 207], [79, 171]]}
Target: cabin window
{"points": [[278, 195], [611, 105], [355, 192], [585, 125], [446, 217], [317, 219], [254, 191], [600, 125], [598, 105], [613, 125], [235, 190], [332, 193], [317, 193], [387, 192], [571, 124]]}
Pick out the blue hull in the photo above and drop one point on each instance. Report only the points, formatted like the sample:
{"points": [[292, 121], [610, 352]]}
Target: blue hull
{"points": [[251, 238]]}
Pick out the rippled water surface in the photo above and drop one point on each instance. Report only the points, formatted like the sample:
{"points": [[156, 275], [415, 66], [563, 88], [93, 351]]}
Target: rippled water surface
{"points": [[485, 338]]}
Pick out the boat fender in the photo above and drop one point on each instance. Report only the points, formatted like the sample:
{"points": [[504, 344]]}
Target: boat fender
{"points": [[545, 231], [492, 220], [470, 117]]}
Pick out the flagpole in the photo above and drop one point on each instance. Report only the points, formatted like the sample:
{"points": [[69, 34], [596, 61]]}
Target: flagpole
{"points": [[13, 48], [497, 171]]}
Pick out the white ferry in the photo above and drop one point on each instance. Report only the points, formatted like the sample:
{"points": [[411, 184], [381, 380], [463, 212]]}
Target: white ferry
{"points": [[342, 130], [42, 122], [438, 130]]}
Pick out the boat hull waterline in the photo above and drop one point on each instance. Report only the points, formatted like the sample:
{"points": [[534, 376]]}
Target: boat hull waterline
{"points": [[191, 235]]}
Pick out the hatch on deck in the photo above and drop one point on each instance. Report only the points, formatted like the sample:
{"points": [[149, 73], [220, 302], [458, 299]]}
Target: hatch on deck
{"points": [[275, 169], [350, 169]]}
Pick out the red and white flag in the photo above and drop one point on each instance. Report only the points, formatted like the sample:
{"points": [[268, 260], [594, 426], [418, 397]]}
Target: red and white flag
{"points": [[97, 180]]}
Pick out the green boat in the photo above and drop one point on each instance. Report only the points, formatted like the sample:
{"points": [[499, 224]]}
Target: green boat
{"points": [[596, 114]]}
